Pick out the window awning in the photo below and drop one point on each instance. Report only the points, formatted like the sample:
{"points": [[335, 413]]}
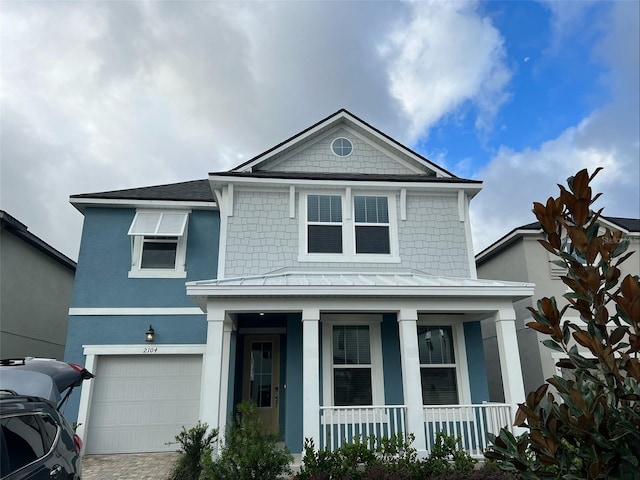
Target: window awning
{"points": [[167, 224]]}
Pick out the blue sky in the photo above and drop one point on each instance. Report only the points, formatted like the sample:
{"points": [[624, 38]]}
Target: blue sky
{"points": [[106, 95]]}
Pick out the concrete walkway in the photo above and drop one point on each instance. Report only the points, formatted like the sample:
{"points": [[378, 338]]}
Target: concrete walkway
{"points": [[128, 466]]}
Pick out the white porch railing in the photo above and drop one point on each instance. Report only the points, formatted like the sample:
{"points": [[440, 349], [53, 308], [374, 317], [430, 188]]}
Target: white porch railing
{"points": [[470, 422], [340, 425]]}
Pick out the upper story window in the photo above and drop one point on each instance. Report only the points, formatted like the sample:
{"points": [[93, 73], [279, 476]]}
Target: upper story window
{"points": [[438, 368], [348, 228], [342, 147], [159, 244], [324, 223], [371, 224]]}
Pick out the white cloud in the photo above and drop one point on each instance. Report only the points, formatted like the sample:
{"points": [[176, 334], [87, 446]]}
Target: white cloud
{"points": [[608, 137], [107, 95], [446, 56]]}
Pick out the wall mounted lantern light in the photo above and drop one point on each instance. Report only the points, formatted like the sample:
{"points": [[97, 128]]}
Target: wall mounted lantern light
{"points": [[149, 335]]}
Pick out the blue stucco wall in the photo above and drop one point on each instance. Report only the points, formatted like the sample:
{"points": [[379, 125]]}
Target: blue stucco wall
{"points": [[475, 360], [102, 282], [391, 360], [105, 259], [293, 393]]}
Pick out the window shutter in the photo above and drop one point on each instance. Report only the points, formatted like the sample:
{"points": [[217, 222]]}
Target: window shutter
{"points": [[169, 224]]}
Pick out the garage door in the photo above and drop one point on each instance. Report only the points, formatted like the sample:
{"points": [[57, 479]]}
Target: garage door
{"points": [[140, 403]]}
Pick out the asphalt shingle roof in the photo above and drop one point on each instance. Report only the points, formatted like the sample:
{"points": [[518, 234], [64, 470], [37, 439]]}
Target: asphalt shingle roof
{"points": [[194, 190]]}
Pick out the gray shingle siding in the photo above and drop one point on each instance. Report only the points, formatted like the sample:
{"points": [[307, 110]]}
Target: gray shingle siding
{"points": [[320, 159]]}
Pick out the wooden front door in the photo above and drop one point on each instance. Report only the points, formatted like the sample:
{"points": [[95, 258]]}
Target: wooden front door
{"points": [[261, 382]]}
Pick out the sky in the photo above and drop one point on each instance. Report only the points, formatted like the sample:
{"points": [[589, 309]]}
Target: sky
{"points": [[105, 95]]}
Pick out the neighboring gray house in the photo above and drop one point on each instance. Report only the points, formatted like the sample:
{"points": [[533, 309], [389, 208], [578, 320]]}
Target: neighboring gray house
{"points": [[36, 282], [519, 257]]}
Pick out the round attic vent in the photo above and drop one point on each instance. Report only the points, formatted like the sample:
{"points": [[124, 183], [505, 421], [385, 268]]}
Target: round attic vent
{"points": [[342, 147]]}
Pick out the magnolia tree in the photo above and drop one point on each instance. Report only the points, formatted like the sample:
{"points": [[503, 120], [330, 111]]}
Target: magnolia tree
{"points": [[590, 427]]}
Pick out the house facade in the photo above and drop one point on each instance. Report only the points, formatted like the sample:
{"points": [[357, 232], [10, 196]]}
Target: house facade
{"points": [[331, 280], [519, 257], [36, 282]]}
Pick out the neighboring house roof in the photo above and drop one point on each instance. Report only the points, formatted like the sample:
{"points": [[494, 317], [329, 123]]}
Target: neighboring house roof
{"points": [[19, 229], [190, 191], [404, 284], [626, 225], [342, 116]]}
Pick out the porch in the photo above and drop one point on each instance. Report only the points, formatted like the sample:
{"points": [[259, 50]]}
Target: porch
{"points": [[376, 354], [471, 423]]}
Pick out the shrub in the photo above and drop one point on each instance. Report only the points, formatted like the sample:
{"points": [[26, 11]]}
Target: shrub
{"points": [[194, 444], [446, 456], [593, 430], [249, 453], [384, 459]]}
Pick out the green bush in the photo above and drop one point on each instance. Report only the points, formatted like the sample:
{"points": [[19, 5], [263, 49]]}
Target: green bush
{"points": [[593, 430], [195, 444], [384, 459], [446, 456], [249, 452]]}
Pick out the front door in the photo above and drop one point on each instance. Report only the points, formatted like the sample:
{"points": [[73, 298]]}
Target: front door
{"points": [[262, 377]]}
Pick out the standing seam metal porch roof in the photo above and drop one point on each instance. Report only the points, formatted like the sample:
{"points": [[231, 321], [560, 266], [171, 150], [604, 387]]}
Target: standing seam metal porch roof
{"points": [[356, 283]]}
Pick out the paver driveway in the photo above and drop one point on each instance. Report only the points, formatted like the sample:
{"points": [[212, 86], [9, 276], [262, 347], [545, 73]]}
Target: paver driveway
{"points": [[128, 466]]}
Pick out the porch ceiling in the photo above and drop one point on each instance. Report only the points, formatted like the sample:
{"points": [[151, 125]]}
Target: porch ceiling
{"points": [[355, 284]]}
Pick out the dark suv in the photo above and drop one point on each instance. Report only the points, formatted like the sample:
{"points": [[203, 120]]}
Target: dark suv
{"points": [[36, 441]]}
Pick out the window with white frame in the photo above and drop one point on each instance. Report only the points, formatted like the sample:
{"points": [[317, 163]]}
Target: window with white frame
{"points": [[371, 215], [345, 227], [438, 370], [352, 360], [324, 224], [352, 365], [159, 244]]}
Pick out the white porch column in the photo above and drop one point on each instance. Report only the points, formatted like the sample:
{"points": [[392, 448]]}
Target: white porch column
{"points": [[311, 375], [411, 380], [215, 371], [227, 329], [509, 353]]}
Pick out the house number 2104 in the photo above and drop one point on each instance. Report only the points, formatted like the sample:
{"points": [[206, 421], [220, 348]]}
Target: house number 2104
{"points": [[150, 350]]}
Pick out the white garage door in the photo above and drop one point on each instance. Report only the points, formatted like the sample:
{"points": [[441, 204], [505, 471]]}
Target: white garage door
{"points": [[140, 403]]}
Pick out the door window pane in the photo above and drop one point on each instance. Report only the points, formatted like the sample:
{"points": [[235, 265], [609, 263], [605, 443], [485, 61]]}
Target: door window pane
{"points": [[261, 373]]}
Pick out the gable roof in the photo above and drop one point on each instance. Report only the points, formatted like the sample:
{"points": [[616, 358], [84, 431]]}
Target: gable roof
{"points": [[626, 225], [345, 117]]}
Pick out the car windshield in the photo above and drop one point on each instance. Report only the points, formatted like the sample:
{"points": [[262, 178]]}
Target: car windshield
{"points": [[30, 383]]}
